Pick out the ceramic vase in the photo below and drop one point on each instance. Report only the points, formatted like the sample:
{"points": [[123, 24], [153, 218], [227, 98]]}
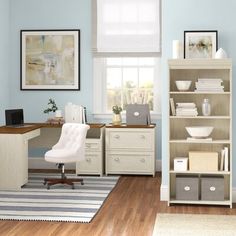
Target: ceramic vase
{"points": [[116, 119], [220, 54]]}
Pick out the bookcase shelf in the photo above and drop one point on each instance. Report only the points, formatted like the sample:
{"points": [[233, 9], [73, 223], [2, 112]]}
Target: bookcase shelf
{"points": [[220, 119], [201, 172]]}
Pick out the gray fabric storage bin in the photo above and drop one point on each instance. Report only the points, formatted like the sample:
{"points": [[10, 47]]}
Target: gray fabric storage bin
{"points": [[187, 188], [212, 188]]}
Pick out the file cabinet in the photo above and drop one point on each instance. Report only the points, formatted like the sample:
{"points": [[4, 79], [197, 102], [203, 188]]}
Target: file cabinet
{"points": [[130, 149]]}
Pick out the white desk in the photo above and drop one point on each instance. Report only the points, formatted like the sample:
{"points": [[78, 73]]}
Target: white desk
{"points": [[14, 156], [14, 151], [93, 164]]}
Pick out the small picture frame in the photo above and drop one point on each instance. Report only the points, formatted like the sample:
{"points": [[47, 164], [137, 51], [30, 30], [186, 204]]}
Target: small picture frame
{"points": [[200, 44]]}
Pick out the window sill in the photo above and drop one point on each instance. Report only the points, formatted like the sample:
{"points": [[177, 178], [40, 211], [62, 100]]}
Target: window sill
{"points": [[154, 116]]}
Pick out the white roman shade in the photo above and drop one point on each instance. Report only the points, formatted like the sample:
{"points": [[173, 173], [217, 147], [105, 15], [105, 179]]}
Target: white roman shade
{"points": [[127, 26]]}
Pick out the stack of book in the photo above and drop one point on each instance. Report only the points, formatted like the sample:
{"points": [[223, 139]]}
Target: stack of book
{"points": [[186, 109], [209, 85]]}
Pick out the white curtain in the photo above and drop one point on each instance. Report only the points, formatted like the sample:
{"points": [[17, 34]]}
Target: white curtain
{"points": [[128, 25]]}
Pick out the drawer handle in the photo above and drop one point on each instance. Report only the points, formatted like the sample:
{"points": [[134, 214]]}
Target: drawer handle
{"points": [[88, 159], [117, 159], [142, 160], [142, 136], [187, 188], [117, 136], [212, 189]]}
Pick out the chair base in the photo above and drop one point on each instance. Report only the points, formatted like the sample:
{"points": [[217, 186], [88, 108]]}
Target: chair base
{"points": [[53, 181]]}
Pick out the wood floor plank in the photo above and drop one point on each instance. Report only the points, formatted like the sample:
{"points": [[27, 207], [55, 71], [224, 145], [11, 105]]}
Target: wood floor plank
{"points": [[130, 210]]}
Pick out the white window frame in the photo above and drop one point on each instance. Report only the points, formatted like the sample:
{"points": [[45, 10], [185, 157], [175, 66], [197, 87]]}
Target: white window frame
{"points": [[99, 89]]}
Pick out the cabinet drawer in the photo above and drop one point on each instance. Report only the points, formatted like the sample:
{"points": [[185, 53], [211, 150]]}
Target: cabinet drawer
{"points": [[131, 140], [90, 164], [92, 145], [130, 163]]}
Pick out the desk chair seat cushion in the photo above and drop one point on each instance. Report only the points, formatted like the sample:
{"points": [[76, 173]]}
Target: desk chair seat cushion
{"points": [[61, 156]]}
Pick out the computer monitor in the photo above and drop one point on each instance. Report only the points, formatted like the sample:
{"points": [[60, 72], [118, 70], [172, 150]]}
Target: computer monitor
{"points": [[14, 117]]}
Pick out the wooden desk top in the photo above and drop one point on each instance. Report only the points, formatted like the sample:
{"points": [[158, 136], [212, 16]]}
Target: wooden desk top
{"points": [[33, 126]]}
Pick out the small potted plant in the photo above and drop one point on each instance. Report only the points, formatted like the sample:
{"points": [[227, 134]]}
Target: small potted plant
{"points": [[116, 119], [52, 107]]}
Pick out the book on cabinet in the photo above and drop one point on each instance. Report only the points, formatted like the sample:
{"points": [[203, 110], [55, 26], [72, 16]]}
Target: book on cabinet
{"points": [[220, 97]]}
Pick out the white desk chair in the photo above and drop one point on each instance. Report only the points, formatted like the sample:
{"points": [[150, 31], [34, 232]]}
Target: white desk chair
{"points": [[70, 148]]}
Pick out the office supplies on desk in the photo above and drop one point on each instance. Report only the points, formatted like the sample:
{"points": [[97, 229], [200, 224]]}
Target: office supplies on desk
{"points": [[75, 114], [15, 118], [138, 114]]}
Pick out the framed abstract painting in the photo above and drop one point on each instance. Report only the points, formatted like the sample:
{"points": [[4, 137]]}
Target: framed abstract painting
{"points": [[50, 59], [200, 44]]}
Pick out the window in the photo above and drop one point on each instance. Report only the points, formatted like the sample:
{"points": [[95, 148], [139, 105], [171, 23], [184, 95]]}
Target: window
{"points": [[125, 80], [126, 50]]}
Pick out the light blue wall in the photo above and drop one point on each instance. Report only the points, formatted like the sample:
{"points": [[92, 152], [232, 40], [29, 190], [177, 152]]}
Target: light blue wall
{"points": [[54, 14], [4, 57], [180, 15], [50, 14]]}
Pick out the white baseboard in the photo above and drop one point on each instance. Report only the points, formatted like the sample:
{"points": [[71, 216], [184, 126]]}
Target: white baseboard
{"points": [[164, 193], [158, 165], [40, 163]]}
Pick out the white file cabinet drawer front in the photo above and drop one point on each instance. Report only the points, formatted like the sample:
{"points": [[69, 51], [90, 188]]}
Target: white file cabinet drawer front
{"points": [[130, 163], [92, 145], [131, 140], [90, 164]]}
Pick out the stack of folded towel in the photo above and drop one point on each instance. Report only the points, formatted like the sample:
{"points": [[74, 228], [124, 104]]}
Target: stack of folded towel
{"points": [[186, 109]]}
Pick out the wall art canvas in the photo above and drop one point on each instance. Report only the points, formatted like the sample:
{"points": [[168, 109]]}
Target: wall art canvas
{"points": [[50, 59], [200, 44]]}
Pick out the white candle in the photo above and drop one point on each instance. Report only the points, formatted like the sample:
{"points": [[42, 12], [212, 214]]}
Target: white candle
{"points": [[176, 48]]}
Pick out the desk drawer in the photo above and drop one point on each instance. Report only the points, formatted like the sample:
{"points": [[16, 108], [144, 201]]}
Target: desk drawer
{"points": [[130, 163], [134, 139], [93, 145], [91, 164]]}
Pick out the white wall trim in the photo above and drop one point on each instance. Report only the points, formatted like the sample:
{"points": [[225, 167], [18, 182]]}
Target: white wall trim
{"points": [[164, 193], [154, 116]]}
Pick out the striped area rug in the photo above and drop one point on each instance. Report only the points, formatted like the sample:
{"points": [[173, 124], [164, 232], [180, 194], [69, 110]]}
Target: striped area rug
{"points": [[60, 203]]}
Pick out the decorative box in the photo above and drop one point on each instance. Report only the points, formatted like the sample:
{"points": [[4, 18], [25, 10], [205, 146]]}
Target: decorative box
{"points": [[181, 164], [203, 161]]}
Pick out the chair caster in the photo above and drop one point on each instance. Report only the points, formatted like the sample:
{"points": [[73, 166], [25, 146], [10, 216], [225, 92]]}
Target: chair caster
{"points": [[82, 183]]}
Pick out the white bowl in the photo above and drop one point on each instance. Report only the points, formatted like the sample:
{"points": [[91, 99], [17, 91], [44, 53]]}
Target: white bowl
{"points": [[199, 131], [183, 85]]}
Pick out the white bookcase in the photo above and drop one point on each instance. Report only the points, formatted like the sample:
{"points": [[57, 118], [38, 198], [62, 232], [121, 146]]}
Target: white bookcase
{"points": [[220, 119]]}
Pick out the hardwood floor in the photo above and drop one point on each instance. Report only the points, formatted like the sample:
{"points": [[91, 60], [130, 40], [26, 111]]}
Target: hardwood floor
{"points": [[130, 210]]}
